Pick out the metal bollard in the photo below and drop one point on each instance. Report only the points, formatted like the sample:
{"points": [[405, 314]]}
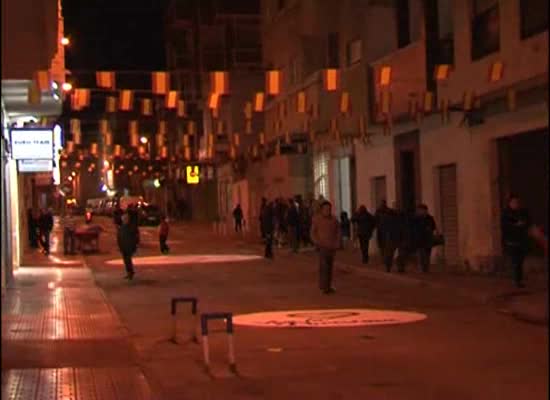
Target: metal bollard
{"points": [[228, 317], [194, 303]]}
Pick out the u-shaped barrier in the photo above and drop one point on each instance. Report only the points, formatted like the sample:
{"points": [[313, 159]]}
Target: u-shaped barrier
{"points": [[173, 309], [228, 317]]}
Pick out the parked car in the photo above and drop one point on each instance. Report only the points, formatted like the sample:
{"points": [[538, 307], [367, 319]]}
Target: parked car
{"points": [[149, 215]]}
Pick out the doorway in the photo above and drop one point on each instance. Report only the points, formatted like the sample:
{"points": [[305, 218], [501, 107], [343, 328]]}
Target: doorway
{"points": [[407, 170]]}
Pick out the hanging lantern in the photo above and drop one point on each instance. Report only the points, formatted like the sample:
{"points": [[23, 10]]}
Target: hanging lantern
{"points": [[219, 82], [232, 153], [161, 82], [345, 105], [301, 102], [273, 82], [93, 149], [103, 126], [160, 140], [385, 75], [70, 146], [80, 99], [164, 152], [134, 135], [126, 100], [191, 128], [146, 107], [116, 150], [162, 128], [187, 154], [496, 71], [171, 101], [442, 72], [110, 104], [181, 108], [210, 139], [75, 125], [214, 101], [262, 139], [331, 78], [259, 99], [108, 139], [105, 79]]}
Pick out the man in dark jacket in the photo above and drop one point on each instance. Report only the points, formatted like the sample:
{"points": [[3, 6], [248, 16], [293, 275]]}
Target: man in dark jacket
{"points": [[238, 217], [127, 244], [394, 229], [117, 216], [515, 225], [365, 223], [293, 221], [268, 226], [423, 230], [32, 228], [45, 225], [381, 215]]}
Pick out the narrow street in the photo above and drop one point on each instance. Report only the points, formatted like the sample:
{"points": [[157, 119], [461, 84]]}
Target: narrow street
{"points": [[81, 330]]}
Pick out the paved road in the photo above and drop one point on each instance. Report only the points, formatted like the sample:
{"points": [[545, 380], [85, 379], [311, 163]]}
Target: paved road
{"points": [[465, 349]]}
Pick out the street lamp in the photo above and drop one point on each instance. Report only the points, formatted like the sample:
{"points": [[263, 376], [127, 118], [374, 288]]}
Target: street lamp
{"points": [[143, 140], [65, 41], [67, 87]]}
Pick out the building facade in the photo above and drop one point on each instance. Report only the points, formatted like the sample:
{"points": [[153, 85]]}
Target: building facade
{"points": [[483, 133]]}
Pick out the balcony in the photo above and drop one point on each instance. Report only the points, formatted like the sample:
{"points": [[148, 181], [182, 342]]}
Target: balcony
{"points": [[408, 80]]}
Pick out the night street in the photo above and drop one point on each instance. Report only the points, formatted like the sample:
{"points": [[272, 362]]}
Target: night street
{"points": [[465, 349]]}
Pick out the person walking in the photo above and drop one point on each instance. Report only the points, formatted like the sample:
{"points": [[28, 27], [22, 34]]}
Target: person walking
{"points": [[423, 231], [345, 229], [45, 225], [365, 223], [133, 221], [393, 226], [127, 244], [325, 234], [293, 222], [164, 229], [515, 225], [32, 227], [238, 218], [117, 216], [69, 228], [382, 213], [268, 226]]}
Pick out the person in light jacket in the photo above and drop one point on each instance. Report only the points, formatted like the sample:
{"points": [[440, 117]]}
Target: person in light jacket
{"points": [[325, 234]]}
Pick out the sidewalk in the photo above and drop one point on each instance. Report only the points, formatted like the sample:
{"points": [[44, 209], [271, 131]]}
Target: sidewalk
{"points": [[62, 340], [529, 304]]}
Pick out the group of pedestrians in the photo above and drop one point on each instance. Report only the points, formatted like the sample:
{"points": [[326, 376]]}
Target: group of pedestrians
{"points": [[40, 226]]}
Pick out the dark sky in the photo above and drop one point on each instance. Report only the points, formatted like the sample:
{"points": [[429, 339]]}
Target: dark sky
{"points": [[115, 34]]}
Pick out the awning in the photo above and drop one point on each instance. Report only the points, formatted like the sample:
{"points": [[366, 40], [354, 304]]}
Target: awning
{"points": [[15, 99]]}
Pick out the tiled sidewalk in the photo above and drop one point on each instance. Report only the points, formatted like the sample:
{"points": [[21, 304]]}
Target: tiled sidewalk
{"points": [[62, 340]]}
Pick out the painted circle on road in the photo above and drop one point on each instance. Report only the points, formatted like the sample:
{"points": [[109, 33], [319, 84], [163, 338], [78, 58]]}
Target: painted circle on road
{"points": [[339, 318], [187, 259]]}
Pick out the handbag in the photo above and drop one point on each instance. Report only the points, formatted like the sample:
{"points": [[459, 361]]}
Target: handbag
{"points": [[438, 240]]}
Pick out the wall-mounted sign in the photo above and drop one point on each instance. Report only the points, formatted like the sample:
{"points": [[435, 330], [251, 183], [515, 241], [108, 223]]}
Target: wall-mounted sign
{"points": [[193, 175], [31, 144], [35, 165]]}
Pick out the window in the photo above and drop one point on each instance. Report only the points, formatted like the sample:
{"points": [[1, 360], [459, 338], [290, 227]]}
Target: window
{"points": [[403, 23], [534, 17], [320, 175], [333, 50], [485, 28], [353, 52]]}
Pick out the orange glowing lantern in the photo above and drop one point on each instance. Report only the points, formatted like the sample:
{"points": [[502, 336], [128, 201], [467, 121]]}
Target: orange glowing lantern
{"points": [[171, 101], [219, 82], [331, 79], [442, 72], [126, 100], [301, 102], [273, 82], [385, 75], [259, 100], [110, 104], [161, 82], [181, 109], [496, 71], [146, 107], [214, 101], [105, 79]]}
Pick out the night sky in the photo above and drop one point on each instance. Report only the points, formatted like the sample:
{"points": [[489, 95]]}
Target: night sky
{"points": [[115, 34]]}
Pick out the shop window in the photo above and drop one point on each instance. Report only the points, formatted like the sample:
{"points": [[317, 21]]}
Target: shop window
{"points": [[534, 17], [353, 52], [485, 28]]}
